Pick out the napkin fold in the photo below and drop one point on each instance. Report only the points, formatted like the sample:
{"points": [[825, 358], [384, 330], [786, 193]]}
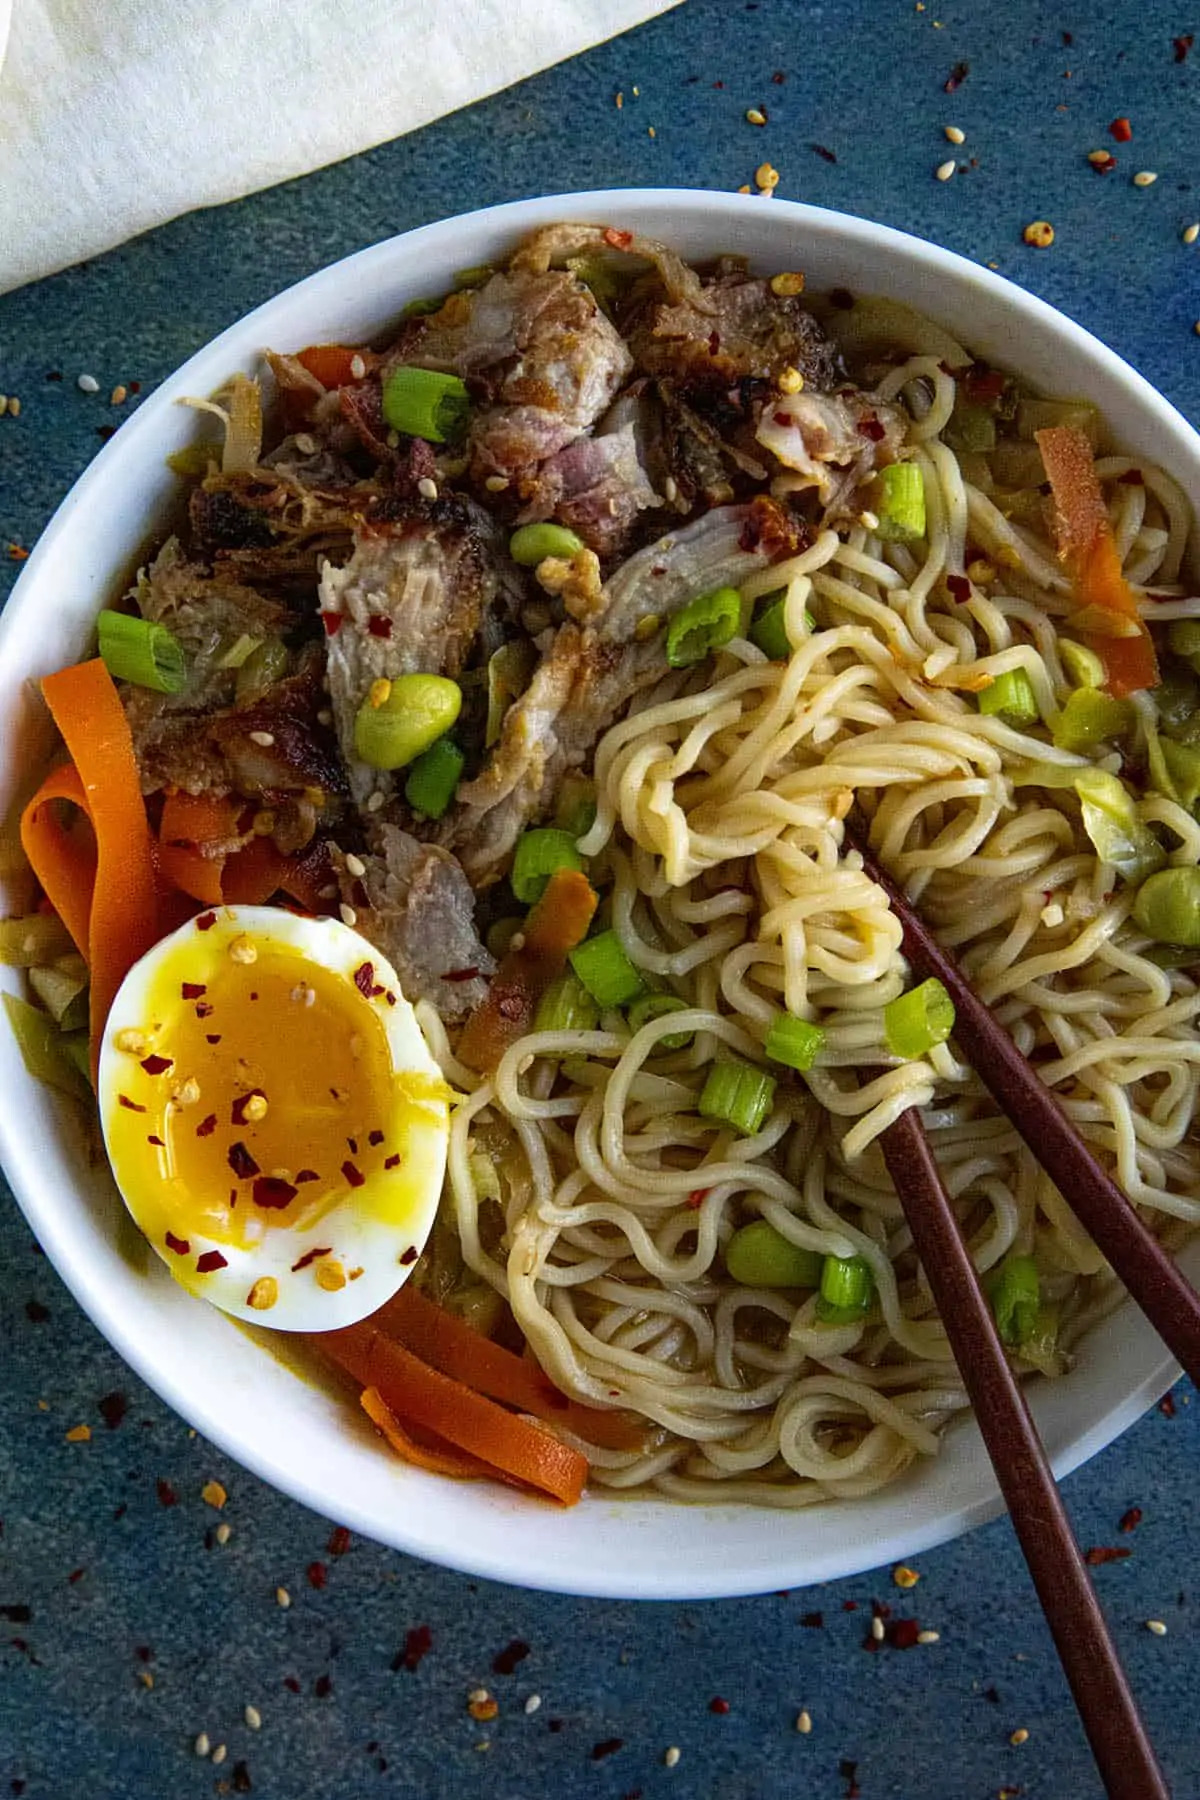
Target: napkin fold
{"points": [[116, 115]]}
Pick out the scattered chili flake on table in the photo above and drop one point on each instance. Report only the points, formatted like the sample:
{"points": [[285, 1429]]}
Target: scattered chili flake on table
{"points": [[417, 1644], [606, 1747], [317, 1574], [323, 1686], [17, 553], [36, 1313], [717, 1705], [956, 77], [1121, 130], [1166, 1406], [166, 1493], [1130, 1520], [505, 1661], [813, 1620], [339, 1541], [1181, 46], [825, 155], [1100, 1554]]}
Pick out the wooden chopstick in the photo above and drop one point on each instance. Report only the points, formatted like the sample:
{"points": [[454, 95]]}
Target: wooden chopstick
{"points": [[1123, 1751], [1152, 1279]]}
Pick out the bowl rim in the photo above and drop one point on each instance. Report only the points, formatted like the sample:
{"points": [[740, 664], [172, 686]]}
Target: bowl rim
{"points": [[18, 1150]]}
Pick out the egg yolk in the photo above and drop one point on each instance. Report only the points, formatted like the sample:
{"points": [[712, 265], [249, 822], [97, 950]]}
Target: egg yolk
{"points": [[271, 1095]]}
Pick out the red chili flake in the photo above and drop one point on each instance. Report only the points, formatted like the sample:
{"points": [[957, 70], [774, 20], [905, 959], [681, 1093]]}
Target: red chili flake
{"points": [[505, 1661], [375, 1137], [317, 1573], [849, 1605], [457, 975], [902, 1633], [984, 385], [104, 432], [717, 1705], [1181, 46], [606, 1747], [291, 1684], [1103, 165], [872, 428], [1104, 1553], [306, 1175], [1166, 1406], [272, 1192], [323, 1687], [135, 387], [310, 1256], [1130, 1520], [365, 982], [390, 997], [207, 1126], [782, 418], [192, 990], [409, 1256], [714, 342], [205, 1010], [206, 921], [210, 1262], [128, 1104], [1132, 478], [849, 1773], [379, 626], [956, 77], [242, 1783], [959, 587], [353, 1175], [76, 1575], [814, 1620], [241, 1161], [779, 78], [16, 1615], [237, 1113], [339, 1541], [36, 1313], [332, 622], [17, 553], [179, 1245], [620, 240], [153, 1138], [112, 1409], [391, 1162], [823, 153], [1121, 130], [417, 1644], [1068, 38], [697, 1197], [166, 1493]]}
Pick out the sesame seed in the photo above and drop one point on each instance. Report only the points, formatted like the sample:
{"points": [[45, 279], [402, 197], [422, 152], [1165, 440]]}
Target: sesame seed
{"points": [[496, 484], [745, 188], [1190, 233], [264, 739], [282, 1598], [119, 395], [477, 1696], [307, 446], [756, 116], [904, 1577], [358, 367], [804, 1722], [929, 1637], [868, 520], [202, 1745], [79, 1434], [223, 1533], [533, 1702], [255, 1108], [14, 406], [766, 175], [213, 1494], [672, 1755], [186, 1094], [954, 134], [1019, 1736], [219, 1754], [331, 1276], [379, 693], [650, 131], [1040, 234], [355, 865], [791, 381], [1145, 178], [670, 489], [3, 405], [252, 1717], [945, 170], [347, 914], [376, 800], [1196, 328], [242, 950], [132, 1042], [262, 1297], [427, 488], [324, 717], [87, 384], [1157, 1627], [146, 1678], [878, 1630]]}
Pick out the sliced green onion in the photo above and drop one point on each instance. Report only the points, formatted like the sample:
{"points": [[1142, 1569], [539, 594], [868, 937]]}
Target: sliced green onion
{"points": [[1090, 718], [1184, 638], [64, 994], [531, 544], [1167, 907], [914, 1022], [1117, 834], [242, 647], [795, 1042], [423, 403], [417, 710], [35, 938], [264, 666], [703, 625], [566, 1005], [1183, 766], [137, 650], [758, 1256], [42, 1046], [474, 277], [1011, 698], [606, 971], [769, 631], [606, 277], [76, 1047], [657, 1006], [899, 497], [417, 309], [847, 1289], [971, 425], [575, 807], [538, 854], [737, 1094], [1082, 665], [1013, 1291], [433, 778], [1041, 1346]]}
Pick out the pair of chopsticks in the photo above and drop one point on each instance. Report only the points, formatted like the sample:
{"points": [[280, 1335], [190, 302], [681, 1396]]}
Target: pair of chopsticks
{"points": [[1122, 1749]]}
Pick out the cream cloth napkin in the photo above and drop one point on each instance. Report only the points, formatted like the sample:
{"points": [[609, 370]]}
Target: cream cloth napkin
{"points": [[116, 115]]}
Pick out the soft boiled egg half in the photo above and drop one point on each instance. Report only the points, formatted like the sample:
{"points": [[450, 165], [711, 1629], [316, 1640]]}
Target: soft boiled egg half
{"points": [[273, 1117]]}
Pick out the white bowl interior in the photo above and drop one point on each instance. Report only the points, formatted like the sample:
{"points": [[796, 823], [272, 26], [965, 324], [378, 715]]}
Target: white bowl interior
{"points": [[294, 1434]]}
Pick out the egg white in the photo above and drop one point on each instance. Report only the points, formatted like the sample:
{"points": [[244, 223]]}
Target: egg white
{"points": [[371, 1232]]}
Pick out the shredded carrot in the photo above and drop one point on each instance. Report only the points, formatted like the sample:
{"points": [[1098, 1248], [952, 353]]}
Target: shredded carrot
{"points": [[330, 363], [189, 823], [558, 922], [64, 861], [1086, 546], [120, 899], [441, 1461], [422, 1396], [448, 1343], [252, 875]]}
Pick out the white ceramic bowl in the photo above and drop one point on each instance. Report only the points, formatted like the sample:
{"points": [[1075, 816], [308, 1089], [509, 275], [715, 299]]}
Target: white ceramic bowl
{"points": [[294, 1435]]}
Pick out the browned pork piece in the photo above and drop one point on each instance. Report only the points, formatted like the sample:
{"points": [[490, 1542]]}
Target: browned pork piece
{"points": [[737, 328], [596, 487]]}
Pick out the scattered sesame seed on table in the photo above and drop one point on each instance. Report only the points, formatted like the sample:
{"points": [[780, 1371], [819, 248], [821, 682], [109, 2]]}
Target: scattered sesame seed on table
{"points": [[158, 1607]]}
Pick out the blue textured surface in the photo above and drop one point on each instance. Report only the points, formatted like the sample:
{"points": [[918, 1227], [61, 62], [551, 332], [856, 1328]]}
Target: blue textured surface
{"points": [[121, 1586]]}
